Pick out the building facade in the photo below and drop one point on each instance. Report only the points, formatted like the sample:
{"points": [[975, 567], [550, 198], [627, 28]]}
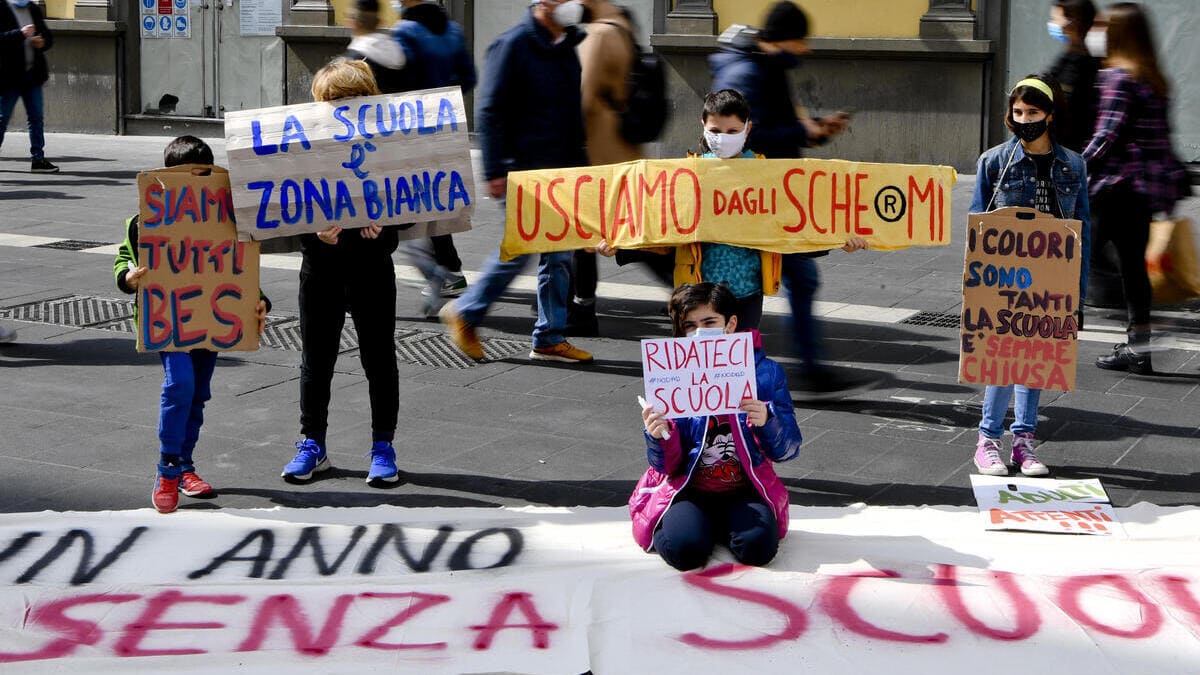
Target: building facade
{"points": [[926, 80]]}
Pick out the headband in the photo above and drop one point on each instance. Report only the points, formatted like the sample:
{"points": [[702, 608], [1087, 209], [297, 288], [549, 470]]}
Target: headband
{"points": [[1036, 84]]}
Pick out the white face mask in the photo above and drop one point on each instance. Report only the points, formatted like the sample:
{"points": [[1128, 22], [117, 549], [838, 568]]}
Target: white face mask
{"points": [[725, 145], [707, 332], [1096, 42], [568, 14], [397, 7]]}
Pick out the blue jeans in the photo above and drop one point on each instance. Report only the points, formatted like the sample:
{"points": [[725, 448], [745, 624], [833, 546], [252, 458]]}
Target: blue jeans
{"points": [[801, 279], [995, 407], [187, 378], [34, 112], [554, 280]]}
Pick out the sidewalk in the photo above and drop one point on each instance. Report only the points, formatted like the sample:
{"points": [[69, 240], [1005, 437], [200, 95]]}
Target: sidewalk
{"points": [[79, 404]]}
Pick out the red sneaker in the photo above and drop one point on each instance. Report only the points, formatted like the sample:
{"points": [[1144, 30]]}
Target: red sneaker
{"points": [[194, 486], [166, 494]]}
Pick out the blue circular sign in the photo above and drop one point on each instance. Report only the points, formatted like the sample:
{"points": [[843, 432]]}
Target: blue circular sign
{"points": [[148, 4], [164, 23], [181, 4], [148, 24], [181, 24]]}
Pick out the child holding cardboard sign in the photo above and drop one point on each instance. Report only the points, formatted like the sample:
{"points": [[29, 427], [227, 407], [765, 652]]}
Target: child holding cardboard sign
{"points": [[1033, 170], [342, 272], [186, 375], [709, 479]]}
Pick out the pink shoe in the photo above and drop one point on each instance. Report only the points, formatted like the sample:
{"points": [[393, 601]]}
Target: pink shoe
{"points": [[987, 457], [1024, 456]]}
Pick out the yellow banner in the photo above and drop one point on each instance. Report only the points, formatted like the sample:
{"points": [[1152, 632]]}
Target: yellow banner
{"points": [[781, 205]]}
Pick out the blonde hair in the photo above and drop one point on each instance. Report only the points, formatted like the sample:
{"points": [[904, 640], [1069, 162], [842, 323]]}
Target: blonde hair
{"points": [[344, 78]]}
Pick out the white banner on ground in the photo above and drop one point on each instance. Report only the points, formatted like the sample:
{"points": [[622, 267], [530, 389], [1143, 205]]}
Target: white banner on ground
{"points": [[858, 589], [1044, 505], [391, 159]]}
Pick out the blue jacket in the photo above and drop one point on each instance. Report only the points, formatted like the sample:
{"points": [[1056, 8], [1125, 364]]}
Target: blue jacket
{"points": [[762, 78], [435, 50], [529, 112], [1069, 173]]}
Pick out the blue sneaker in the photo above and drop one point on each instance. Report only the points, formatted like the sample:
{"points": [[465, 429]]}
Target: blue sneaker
{"points": [[310, 458], [383, 465]]}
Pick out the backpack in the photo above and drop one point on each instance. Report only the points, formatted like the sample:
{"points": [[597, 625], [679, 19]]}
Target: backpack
{"points": [[645, 112]]}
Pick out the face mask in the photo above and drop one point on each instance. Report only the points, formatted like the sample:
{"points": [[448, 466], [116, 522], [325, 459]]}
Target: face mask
{"points": [[1096, 42], [20, 3], [725, 145], [707, 332], [1056, 32], [568, 13], [1030, 131]]}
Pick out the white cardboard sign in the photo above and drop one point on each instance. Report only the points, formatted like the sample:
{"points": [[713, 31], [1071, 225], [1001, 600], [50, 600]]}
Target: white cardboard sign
{"points": [[391, 159], [1044, 505], [690, 377]]}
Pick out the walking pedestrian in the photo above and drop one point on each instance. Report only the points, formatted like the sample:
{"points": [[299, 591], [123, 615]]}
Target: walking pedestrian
{"points": [[1134, 172], [24, 41], [606, 58], [1075, 70], [384, 56], [1032, 169], [437, 57], [756, 64], [529, 117]]}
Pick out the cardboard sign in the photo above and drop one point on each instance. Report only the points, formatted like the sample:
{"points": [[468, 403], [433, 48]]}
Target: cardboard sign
{"points": [[200, 289], [393, 159], [1020, 294], [695, 376], [1044, 505], [787, 206]]}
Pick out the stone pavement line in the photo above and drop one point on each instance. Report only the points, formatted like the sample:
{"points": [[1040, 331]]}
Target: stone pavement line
{"points": [[775, 305]]}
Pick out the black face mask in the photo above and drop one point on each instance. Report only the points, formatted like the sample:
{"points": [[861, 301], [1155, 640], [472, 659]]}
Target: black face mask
{"points": [[1030, 131]]}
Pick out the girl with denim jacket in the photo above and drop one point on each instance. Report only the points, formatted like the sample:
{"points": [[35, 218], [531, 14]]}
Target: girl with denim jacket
{"points": [[1031, 170]]}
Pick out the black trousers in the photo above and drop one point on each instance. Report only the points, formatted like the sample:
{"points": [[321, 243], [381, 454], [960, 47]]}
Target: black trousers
{"points": [[365, 286], [445, 254], [1122, 216], [585, 275]]}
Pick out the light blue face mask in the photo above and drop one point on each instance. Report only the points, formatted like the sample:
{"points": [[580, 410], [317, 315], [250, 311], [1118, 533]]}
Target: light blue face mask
{"points": [[1056, 32], [707, 332], [20, 3]]}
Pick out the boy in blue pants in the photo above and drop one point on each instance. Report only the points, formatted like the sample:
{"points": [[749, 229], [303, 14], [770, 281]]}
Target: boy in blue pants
{"points": [[186, 375]]}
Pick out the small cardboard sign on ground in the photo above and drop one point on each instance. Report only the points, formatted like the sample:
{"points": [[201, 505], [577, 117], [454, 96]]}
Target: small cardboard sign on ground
{"points": [[200, 289], [1044, 505], [705, 375], [391, 159], [1020, 295]]}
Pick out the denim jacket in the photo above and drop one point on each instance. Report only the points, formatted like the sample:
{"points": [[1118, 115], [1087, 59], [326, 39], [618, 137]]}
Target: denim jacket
{"points": [[1068, 171]]}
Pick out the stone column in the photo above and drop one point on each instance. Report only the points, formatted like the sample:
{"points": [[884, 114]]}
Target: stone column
{"points": [[948, 20], [93, 10], [692, 17], [309, 13]]}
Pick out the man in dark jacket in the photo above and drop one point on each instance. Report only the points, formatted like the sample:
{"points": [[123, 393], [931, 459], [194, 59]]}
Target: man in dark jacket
{"points": [[1075, 69], [529, 116], [437, 56], [756, 63], [385, 58], [24, 40]]}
